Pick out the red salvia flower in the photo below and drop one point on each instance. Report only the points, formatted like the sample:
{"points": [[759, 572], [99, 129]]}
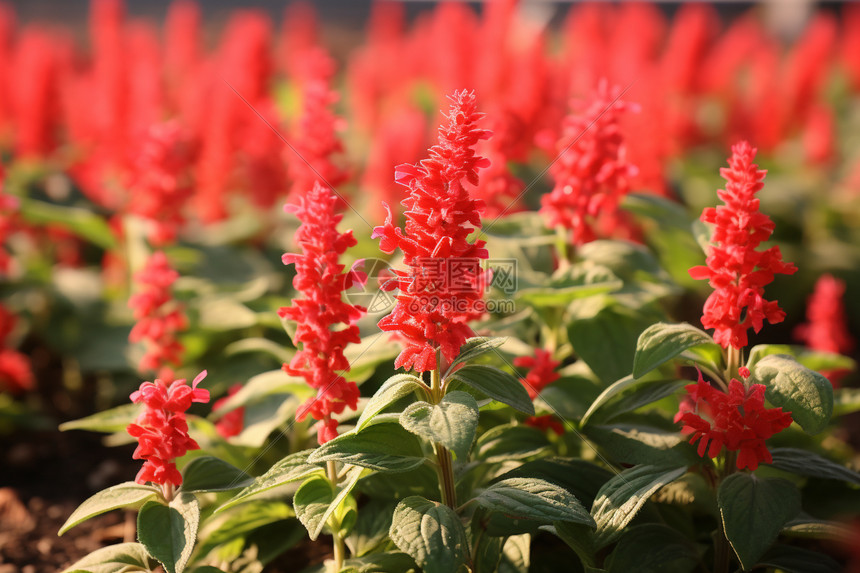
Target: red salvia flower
{"points": [[736, 270], [737, 420], [541, 371], [443, 287], [318, 148], [233, 422], [826, 329], [161, 429], [160, 182], [158, 317], [321, 280], [16, 374], [545, 423], [592, 173], [35, 94]]}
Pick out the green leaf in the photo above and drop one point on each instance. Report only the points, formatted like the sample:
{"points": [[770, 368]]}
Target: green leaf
{"points": [[614, 327], [264, 386], [431, 533], [366, 356], [579, 538], [452, 422], [473, 348], [753, 510], [626, 383], [487, 554], [114, 558], [294, 467], [808, 527], [208, 473], [383, 447], [315, 500], [510, 442], [82, 222], [535, 499], [108, 421], [621, 498], [798, 560], [812, 359], [581, 478], [496, 384], [392, 390], [635, 444], [516, 554], [371, 527], [128, 494], [662, 342], [806, 394], [388, 562], [846, 401], [653, 548], [169, 531], [807, 463], [241, 522]]}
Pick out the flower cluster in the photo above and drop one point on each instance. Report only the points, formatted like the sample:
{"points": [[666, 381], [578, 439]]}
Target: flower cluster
{"points": [[160, 181], [161, 429], [158, 317], [592, 172], [541, 371], [15, 371], [321, 280], [440, 215], [736, 270], [737, 420], [827, 330]]}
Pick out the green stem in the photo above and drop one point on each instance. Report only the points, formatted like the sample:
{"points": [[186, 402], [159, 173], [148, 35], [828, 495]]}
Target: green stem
{"points": [[561, 247], [444, 462], [337, 539]]}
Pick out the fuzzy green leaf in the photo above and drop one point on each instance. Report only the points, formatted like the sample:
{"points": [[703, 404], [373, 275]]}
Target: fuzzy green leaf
{"points": [[653, 548], [431, 533], [806, 463], [169, 531], [128, 494], [496, 384], [452, 422], [806, 394], [662, 342], [535, 499], [208, 473], [392, 390], [294, 467], [385, 447], [121, 557], [753, 511]]}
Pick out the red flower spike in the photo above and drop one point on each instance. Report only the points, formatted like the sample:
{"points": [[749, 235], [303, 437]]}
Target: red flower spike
{"points": [[158, 317], [737, 421], [233, 422], [826, 329], [592, 172], [162, 430], [736, 270], [545, 423], [541, 371], [321, 280], [440, 292]]}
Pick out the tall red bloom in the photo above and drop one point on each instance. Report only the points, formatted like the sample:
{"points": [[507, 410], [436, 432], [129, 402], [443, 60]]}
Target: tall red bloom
{"points": [[321, 280], [737, 420], [160, 182], [162, 430], [541, 371], [159, 318], [233, 422], [736, 270], [439, 293], [592, 172], [826, 328]]}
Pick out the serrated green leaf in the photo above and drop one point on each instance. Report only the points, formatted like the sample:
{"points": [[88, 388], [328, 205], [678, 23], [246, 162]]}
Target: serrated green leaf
{"points": [[208, 473], [753, 510], [580, 477], [385, 447], [452, 422], [108, 421], [662, 342], [392, 390], [472, 348], [128, 494], [621, 498], [496, 384], [806, 394], [625, 384], [294, 467], [169, 531], [534, 499], [113, 558], [806, 463], [636, 444], [653, 548], [510, 442], [431, 533]]}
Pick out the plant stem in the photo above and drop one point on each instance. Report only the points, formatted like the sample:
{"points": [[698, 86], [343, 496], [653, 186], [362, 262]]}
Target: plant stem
{"points": [[339, 549], [561, 247], [167, 491], [722, 549], [444, 463]]}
